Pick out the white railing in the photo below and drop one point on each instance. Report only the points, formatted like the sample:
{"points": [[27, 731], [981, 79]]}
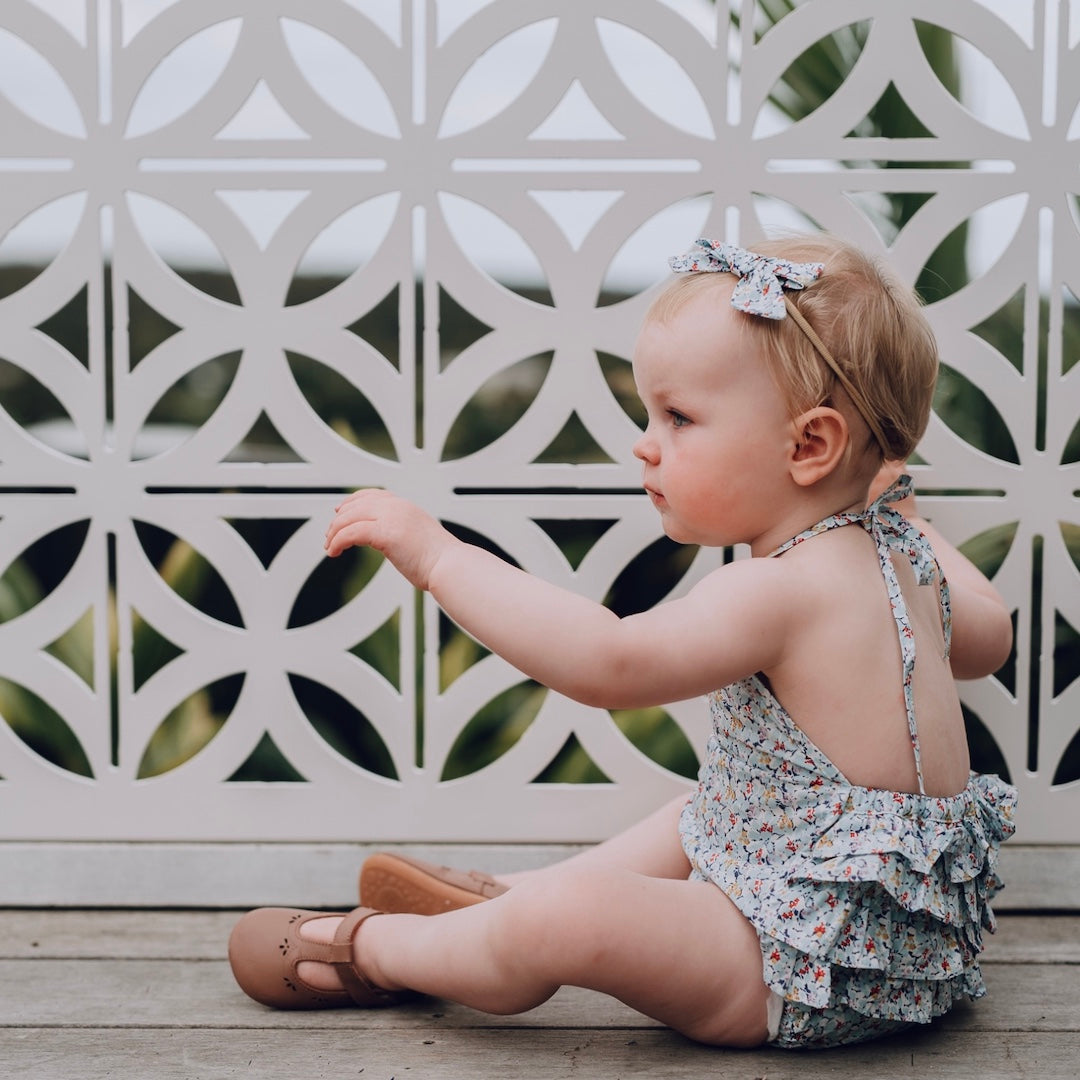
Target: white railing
{"points": [[570, 145]]}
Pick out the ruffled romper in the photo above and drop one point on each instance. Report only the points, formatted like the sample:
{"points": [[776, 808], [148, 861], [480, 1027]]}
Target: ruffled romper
{"points": [[870, 904]]}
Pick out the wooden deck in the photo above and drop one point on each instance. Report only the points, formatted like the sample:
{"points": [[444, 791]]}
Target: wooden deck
{"points": [[148, 994]]}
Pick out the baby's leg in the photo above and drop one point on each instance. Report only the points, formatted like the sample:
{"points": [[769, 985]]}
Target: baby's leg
{"points": [[651, 847], [678, 951]]}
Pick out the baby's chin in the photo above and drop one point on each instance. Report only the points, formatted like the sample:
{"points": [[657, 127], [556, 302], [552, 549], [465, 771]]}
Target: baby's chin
{"points": [[674, 530]]}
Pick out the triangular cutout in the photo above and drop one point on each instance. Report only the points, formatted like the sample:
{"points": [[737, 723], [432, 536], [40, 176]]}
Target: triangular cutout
{"points": [[380, 327], [262, 116], [69, 327], [1066, 651], [262, 212], [1068, 768], [891, 118], [265, 536], [381, 650], [575, 537], [986, 755], [571, 765], [574, 445], [576, 212], [150, 650], [263, 443], [147, 328], [74, 648], [576, 117], [1004, 329], [458, 328], [267, 764], [1006, 674]]}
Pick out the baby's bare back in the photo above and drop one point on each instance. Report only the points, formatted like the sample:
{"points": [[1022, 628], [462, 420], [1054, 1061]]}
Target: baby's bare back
{"points": [[841, 680]]}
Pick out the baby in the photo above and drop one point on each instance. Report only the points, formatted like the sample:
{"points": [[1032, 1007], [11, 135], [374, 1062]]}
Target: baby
{"points": [[829, 879]]}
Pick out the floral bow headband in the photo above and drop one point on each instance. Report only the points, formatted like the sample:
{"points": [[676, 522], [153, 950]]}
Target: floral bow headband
{"points": [[760, 291]]}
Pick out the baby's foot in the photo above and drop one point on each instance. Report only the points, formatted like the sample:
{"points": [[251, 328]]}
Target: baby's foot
{"points": [[317, 975], [322, 976]]}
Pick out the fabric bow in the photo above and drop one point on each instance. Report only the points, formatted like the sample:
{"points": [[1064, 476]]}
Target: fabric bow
{"points": [[762, 279]]}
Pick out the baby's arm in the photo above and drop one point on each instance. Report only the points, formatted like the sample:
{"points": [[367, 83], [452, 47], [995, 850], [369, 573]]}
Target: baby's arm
{"points": [[982, 628], [728, 626]]}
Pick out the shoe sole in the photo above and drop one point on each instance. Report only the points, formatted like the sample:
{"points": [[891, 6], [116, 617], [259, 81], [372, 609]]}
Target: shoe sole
{"points": [[398, 884]]}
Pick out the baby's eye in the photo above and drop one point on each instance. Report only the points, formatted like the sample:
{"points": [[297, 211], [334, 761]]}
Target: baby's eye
{"points": [[678, 420]]}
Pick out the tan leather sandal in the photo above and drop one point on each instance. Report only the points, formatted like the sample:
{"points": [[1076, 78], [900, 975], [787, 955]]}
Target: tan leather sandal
{"points": [[399, 883], [265, 947]]}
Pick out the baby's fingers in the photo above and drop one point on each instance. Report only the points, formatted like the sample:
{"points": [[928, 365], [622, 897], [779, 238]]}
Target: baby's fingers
{"points": [[362, 517], [362, 496], [346, 535], [350, 523]]}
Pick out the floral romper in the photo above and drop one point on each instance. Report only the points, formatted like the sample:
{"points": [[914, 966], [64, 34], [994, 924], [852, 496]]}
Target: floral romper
{"points": [[869, 904]]}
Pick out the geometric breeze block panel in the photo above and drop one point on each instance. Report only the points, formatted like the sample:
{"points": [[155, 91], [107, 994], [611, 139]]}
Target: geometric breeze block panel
{"points": [[256, 254]]}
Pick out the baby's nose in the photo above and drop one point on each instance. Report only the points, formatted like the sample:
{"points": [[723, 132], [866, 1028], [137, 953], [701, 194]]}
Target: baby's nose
{"points": [[644, 447]]}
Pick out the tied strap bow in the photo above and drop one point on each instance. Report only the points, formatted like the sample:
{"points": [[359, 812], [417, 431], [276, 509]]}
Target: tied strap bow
{"points": [[762, 279], [893, 532]]}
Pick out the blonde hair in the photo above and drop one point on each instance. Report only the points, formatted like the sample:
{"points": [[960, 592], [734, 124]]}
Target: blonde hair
{"points": [[871, 323]]}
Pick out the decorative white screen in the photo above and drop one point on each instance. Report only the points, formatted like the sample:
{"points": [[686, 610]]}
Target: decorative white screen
{"points": [[523, 167]]}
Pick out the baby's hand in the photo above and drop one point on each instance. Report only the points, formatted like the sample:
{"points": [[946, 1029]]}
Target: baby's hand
{"points": [[408, 536]]}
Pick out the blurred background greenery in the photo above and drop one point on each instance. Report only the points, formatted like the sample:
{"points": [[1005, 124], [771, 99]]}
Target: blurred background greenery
{"points": [[810, 80]]}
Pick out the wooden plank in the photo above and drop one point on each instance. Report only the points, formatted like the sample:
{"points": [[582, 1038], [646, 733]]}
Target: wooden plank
{"points": [[539, 1054], [324, 875], [1038, 877], [1034, 939], [171, 993], [202, 935], [134, 934], [222, 875]]}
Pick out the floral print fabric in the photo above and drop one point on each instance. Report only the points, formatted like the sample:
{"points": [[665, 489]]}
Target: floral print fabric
{"points": [[870, 904], [762, 279]]}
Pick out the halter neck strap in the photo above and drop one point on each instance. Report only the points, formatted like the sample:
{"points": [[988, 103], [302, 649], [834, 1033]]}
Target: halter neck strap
{"points": [[892, 532]]}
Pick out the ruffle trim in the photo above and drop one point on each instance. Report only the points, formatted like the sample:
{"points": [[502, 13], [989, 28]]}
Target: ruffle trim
{"points": [[885, 914], [910, 1000], [934, 855]]}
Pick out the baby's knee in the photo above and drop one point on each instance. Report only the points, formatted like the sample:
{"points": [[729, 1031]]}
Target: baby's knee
{"points": [[540, 916]]}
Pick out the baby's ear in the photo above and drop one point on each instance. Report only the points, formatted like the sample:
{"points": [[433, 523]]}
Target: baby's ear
{"points": [[820, 438]]}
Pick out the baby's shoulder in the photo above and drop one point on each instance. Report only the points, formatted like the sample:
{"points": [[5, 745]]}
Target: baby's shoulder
{"points": [[780, 586], [832, 576]]}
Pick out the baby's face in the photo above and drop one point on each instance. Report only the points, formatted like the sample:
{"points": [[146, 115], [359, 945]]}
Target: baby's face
{"points": [[715, 449]]}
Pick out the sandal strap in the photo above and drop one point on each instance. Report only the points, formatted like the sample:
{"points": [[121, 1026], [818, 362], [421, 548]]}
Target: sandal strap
{"points": [[359, 987]]}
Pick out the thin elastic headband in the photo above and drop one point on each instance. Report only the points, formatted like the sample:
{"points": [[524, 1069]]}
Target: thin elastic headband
{"points": [[760, 291]]}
